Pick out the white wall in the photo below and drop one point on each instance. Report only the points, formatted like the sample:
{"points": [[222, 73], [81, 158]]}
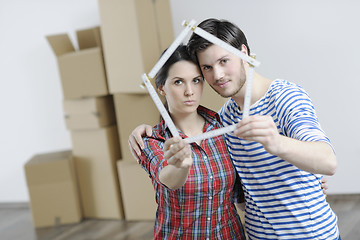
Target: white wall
{"points": [[30, 91], [312, 43]]}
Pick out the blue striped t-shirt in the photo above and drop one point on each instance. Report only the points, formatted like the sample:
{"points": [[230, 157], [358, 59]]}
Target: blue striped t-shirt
{"points": [[282, 201]]}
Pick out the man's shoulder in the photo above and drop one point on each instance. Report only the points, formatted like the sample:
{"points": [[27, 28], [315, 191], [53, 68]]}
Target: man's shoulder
{"points": [[282, 88], [228, 106]]}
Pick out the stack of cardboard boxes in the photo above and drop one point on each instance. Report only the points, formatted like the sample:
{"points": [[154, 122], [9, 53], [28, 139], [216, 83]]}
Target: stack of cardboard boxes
{"points": [[89, 115], [134, 33], [103, 103]]}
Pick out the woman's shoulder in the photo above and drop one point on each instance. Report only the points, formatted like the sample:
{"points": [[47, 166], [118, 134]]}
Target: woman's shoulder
{"points": [[208, 114]]}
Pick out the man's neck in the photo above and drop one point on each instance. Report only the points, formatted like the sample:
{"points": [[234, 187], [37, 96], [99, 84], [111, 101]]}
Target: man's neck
{"points": [[260, 85]]}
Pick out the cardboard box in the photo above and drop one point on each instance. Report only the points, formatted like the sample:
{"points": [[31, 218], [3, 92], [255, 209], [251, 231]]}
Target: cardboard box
{"points": [[51, 181], [137, 192], [82, 71], [134, 34], [95, 153], [164, 23], [131, 111], [89, 113]]}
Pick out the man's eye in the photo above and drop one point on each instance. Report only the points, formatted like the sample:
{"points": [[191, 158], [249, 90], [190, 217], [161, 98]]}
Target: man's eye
{"points": [[223, 61], [205, 68]]}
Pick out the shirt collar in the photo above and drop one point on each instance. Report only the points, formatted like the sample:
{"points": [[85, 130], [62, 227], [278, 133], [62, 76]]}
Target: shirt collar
{"points": [[211, 120]]}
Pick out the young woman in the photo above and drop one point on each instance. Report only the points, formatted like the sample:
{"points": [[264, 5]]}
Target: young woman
{"points": [[196, 184]]}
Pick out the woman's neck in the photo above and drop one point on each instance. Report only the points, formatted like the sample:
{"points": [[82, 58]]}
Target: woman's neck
{"points": [[190, 124]]}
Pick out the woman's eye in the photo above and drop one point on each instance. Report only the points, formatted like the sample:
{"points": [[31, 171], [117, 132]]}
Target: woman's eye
{"points": [[197, 80], [178, 82]]}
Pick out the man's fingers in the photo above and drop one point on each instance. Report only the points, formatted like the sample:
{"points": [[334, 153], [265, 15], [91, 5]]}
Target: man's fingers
{"points": [[139, 141], [134, 153], [134, 145], [148, 130]]}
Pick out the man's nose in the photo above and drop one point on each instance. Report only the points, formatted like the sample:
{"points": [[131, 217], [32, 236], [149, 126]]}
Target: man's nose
{"points": [[218, 73]]}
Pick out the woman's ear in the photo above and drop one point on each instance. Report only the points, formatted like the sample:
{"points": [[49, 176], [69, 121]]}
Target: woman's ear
{"points": [[161, 90], [244, 49]]}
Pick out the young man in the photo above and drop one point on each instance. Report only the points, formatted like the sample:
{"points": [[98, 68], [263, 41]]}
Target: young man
{"points": [[278, 150]]}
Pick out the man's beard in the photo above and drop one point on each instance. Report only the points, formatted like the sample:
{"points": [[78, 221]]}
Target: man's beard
{"points": [[238, 87]]}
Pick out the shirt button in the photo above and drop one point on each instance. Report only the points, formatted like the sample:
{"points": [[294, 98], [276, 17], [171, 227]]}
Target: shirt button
{"points": [[208, 219], [205, 158], [210, 198], [211, 177]]}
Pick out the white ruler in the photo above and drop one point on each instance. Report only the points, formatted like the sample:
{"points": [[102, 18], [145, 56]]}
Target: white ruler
{"points": [[247, 97], [226, 46], [165, 115], [160, 106], [167, 54]]}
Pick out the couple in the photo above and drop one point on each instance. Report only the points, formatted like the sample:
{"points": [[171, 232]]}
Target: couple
{"points": [[277, 151]]}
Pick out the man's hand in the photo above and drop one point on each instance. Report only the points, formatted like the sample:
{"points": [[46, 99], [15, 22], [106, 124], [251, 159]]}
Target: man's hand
{"points": [[324, 185], [135, 141], [315, 157], [261, 129]]}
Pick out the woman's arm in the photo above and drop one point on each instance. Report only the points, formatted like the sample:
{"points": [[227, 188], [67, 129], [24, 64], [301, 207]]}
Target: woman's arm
{"points": [[177, 153]]}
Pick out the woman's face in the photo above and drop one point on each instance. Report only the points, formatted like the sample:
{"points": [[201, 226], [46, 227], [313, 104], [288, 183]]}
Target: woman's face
{"points": [[183, 88]]}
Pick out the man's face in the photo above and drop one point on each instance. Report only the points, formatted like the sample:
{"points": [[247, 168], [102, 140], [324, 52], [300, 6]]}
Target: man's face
{"points": [[223, 70]]}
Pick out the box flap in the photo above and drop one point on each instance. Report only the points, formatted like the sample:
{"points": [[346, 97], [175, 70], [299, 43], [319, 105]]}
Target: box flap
{"points": [[89, 38], [60, 44]]}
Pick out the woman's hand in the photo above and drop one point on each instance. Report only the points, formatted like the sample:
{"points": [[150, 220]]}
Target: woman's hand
{"points": [[177, 153]]}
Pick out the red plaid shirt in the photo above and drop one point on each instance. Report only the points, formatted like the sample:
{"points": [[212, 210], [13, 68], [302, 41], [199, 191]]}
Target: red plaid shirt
{"points": [[203, 208]]}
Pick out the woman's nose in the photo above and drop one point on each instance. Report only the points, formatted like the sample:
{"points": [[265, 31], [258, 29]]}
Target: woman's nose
{"points": [[189, 91]]}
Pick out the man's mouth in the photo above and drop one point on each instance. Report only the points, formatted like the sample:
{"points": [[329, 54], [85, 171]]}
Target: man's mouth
{"points": [[222, 84]]}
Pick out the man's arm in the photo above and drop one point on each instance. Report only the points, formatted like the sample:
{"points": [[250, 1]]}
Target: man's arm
{"points": [[314, 157], [135, 141]]}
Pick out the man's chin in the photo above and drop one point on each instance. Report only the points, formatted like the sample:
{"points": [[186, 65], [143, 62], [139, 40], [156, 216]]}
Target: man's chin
{"points": [[222, 93]]}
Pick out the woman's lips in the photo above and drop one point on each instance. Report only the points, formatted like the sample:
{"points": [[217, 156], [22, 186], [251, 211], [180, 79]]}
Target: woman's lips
{"points": [[189, 102]]}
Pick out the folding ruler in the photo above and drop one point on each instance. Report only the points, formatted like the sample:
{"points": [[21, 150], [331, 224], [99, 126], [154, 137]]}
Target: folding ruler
{"points": [[190, 26]]}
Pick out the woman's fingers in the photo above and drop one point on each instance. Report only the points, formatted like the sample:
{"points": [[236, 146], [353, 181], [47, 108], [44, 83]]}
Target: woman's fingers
{"points": [[176, 150]]}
